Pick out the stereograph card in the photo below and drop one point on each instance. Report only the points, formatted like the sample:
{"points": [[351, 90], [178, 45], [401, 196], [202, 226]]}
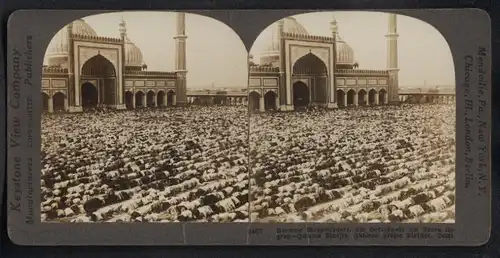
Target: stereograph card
{"points": [[262, 127]]}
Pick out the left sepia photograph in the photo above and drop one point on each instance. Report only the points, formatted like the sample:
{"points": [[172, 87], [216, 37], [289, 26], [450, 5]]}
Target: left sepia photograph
{"points": [[145, 119]]}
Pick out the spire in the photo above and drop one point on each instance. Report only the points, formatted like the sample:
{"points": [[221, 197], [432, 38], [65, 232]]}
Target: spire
{"points": [[332, 89], [123, 28], [333, 25], [70, 31], [279, 32], [392, 43]]}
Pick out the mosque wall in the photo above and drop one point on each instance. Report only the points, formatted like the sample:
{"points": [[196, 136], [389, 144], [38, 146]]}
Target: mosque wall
{"points": [[361, 81], [54, 84], [264, 84], [155, 85], [263, 81]]}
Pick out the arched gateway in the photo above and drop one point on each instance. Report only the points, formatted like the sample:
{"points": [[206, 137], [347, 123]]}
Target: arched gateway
{"points": [[314, 69], [101, 71]]}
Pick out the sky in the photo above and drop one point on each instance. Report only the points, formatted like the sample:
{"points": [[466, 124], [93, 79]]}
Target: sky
{"points": [[216, 55], [423, 53]]}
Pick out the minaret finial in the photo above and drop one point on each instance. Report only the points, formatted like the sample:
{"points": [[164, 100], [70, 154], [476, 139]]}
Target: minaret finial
{"points": [[333, 26], [123, 28]]}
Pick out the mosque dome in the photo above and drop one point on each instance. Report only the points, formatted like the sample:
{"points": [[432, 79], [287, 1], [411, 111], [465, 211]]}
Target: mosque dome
{"points": [[57, 51], [133, 55], [290, 25], [345, 54]]}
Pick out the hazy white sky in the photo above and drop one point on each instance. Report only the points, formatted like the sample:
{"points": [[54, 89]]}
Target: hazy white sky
{"points": [[424, 54], [216, 54], [214, 51]]}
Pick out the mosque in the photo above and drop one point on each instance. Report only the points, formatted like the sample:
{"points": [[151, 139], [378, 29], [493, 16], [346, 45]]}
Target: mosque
{"points": [[84, 70], [298, 69]]}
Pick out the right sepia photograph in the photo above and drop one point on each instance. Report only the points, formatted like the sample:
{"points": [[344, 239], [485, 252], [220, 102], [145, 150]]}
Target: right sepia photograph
{"points": [[352, 120]]}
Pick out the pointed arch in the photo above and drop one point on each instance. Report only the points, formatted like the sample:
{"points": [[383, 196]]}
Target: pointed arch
{"points": [[270, 100], [150, 99], [129, 100], [382, 97], [301, 95], [59, 102], [351, 95], [254, 101], [90, 96], [139, 99], [170, 98], [341, 98], [45, 101], [160, 98], [372, 97], [362, 97]]}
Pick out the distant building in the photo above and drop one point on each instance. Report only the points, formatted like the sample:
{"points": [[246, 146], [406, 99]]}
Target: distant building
{"points": [[298, 69]]}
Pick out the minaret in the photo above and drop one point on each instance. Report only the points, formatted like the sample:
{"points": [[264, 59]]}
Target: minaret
{"points": [[74, 88], [332, 92], [180, 60], [282, 103], [392, 58], [122, 27]]}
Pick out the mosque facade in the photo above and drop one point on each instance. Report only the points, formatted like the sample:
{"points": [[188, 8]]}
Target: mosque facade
{"points": [[84, 70], [298, 69]]}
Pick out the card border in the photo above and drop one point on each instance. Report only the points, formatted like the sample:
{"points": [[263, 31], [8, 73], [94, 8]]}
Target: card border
{"points": [[474, 230]]}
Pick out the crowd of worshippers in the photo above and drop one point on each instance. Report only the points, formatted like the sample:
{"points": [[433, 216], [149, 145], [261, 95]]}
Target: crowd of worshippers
{"points": [[375, 164], [179, 164]]}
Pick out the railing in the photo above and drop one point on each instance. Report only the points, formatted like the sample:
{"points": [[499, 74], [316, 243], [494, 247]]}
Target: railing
{"points": [[55, 70], [264, 69], [97, 38], [361, 71], [150, 73], [306, 37]]}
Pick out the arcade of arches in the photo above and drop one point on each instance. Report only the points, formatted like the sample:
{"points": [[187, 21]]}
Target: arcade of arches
{"points": [[302, 97], [361, 97], [58, 102], [259, 102], [149, 99]]}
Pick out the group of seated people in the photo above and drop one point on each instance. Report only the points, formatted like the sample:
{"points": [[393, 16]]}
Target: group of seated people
{"points": [[180, 164], [373, 164]]}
